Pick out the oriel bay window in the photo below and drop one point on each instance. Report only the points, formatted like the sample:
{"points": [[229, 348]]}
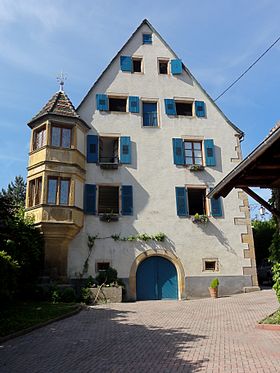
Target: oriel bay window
{"points": [[39, 138], [61, 136], [34, 192], [58, 191]]}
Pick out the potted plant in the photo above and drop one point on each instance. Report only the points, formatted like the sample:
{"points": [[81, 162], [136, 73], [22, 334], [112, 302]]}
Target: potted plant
{"points": [[196, 167], [213, 289], [108, 217], [197, 218]]}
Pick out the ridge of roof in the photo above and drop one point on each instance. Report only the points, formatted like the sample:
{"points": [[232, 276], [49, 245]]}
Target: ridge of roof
{"points": [[146, 22]]}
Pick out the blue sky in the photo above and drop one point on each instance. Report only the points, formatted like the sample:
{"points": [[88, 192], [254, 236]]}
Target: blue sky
{"points": [[217, 40]]}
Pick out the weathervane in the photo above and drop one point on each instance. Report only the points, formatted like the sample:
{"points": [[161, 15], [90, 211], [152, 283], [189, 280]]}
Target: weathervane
{"points": [[61, 80]]}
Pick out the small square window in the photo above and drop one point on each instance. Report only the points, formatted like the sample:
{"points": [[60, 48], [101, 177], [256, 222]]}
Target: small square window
{"points": [[163, 67], [210, 265], [147, 38], [136, 65]]}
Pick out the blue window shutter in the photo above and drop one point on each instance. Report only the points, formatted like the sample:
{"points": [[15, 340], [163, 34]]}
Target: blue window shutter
{"points": [[102, 102], [147, 38], [181, 201], [209, 150], [216, 207], [125, 150], [90, 199], [92, 148], [134, 104], [126, 63], [178, 151], [200, 108], [127, 200], [176, 67], [170, 107]]}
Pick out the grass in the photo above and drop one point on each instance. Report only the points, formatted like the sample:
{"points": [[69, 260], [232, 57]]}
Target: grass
{"points": [[272, 319], [21, 315]]}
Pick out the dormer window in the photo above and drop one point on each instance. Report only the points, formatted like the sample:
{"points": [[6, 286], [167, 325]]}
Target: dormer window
{"points": [[61, 137]]}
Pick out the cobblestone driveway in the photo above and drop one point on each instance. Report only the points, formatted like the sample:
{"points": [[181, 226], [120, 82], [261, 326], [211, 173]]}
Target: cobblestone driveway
{"points": [[163, 336]]}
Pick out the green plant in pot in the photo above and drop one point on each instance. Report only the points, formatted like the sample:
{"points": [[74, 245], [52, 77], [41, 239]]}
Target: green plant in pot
{"points": [[213, 289]]}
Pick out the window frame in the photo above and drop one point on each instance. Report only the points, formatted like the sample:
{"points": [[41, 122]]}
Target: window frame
{"points": [[208, 260], [97, 262], [54, 125], [58, 190], [184, 101], [117, 138], [164, 60], [32, 193], [135, 58], [150, 101], [206, 202], [192, 141], [36, 131], [98, 195], [115, 97]]}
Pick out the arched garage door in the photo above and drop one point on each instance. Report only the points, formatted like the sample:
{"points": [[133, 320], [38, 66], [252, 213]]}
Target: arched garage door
{"points": [[156, 278]]}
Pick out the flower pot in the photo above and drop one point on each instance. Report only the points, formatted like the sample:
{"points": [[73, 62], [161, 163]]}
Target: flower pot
{"points": [[213, 292]]}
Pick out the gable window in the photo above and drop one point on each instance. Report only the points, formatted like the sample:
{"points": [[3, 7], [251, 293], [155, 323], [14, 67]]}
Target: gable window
{"points": [[184, 108], [150, 118], [147, 38], [117, 104], [108, 150], [108, 199], [58, 191], [34, 192], [136, 65], [39, 138], [193, 152], [197, 201], [210, 265], [163, 67], [61, 137]]}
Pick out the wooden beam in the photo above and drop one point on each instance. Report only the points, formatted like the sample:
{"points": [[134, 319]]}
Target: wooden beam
{"points": [[259, 199]]}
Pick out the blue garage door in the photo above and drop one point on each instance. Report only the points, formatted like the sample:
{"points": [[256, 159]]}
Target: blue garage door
{"points": [[156, 278]]}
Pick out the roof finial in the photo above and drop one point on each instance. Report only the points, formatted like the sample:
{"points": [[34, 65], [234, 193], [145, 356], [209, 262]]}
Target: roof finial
{"points": [[61, 80]]}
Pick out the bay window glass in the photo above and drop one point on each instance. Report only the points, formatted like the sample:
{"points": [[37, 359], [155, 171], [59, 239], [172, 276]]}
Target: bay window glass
{"points": [[39, 139], [58, 191], [61, 137], [52, 190], [64, 192]]}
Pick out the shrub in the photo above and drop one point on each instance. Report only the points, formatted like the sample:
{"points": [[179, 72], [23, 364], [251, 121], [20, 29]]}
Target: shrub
{"points": [[108, 277], [68, 295], [8, 275], [55, 296], [86, 295], [214, 283], [276, 279]]}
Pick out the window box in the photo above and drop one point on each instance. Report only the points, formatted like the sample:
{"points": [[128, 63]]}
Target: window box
{"points": [[108, 217], [200, 219], [196, 167]]}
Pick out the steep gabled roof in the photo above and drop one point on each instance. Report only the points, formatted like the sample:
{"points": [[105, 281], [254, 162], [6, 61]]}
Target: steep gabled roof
{"points": [[146, 22], [60, 105]]}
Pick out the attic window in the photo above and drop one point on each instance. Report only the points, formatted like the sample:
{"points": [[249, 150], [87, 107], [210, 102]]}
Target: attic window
{"points": [[147, 38], [163, 67], [136, 65], [184, 108], [117, 104]]}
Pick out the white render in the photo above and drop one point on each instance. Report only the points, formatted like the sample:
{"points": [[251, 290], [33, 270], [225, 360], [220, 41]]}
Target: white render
{"points": [[154, 175]]}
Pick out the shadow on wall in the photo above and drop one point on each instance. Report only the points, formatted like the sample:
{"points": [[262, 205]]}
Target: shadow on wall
{"points": [[109, 340], [211, 230]]}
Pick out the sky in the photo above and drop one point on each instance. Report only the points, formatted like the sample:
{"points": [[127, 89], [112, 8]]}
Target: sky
{"points": [[217, 40]]}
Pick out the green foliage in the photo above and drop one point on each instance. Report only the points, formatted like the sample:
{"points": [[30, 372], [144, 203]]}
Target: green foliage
{"points": [[160, 237], [55, 296], [108, 277], [200, 218], [68, 295], [274, 248], [86, 295], [8, 275], [16, 191], [276, 279], [263, 232], [214, 283]]}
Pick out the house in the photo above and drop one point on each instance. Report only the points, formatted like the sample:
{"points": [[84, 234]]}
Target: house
{"points": [[122, 180]]}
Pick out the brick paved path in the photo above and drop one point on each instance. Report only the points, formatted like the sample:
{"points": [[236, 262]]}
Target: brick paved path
{"points": [[163, 336]]}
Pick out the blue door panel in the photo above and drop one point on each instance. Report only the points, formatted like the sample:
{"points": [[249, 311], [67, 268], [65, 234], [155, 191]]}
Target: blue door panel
{"points": [[156, 278]]}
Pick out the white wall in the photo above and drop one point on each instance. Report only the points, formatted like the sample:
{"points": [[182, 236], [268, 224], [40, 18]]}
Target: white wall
{"points": [[154, 176]]}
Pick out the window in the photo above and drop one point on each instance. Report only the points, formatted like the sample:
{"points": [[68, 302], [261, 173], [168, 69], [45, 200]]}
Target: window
{"points": [[39, 138], [193, 152], [163, 67], [108, 150], [210, 265], [150, 114], [61, 137], [58, 191], [34, 192], [108, 199], [147, 38], [136, 65], [184, 108], [102, 266], [117, 104], [197, 201]]}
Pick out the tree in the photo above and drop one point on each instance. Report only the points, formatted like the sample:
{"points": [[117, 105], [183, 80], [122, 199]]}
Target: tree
{"points": [[16, 191], [263, 232]]}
